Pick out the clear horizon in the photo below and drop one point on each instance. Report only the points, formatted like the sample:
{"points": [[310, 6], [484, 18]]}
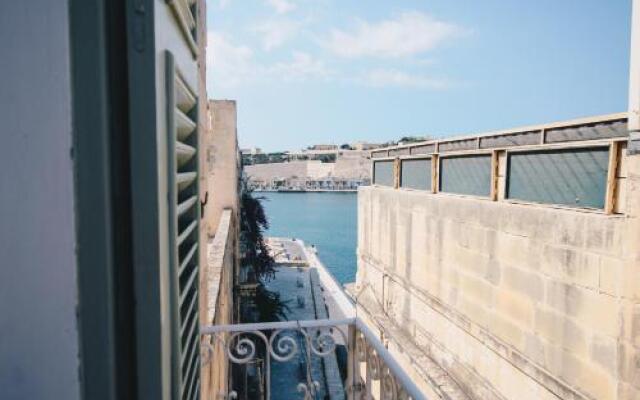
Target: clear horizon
{"points": [[327, 72]]}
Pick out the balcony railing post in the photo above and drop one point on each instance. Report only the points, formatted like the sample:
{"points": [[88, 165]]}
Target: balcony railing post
{"points": [[352, 373], [368, 385], [397, 167], [381, 376]]}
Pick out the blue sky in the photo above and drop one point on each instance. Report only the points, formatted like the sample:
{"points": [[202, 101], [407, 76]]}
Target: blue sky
{"points": [[337, 71]]}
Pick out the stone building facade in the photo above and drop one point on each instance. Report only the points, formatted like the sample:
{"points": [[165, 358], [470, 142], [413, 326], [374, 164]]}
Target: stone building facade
{"points": [[497, 298]]}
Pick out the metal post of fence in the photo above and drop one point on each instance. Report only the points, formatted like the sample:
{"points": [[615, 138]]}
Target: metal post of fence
{"points": [[352, 359]]}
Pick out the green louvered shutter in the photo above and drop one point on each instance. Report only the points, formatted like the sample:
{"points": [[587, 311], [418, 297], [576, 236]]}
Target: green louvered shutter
{"points": [[184, 217]]}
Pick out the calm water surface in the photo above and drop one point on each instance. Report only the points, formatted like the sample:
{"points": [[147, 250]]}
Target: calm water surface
{"points": [[327, 220]]}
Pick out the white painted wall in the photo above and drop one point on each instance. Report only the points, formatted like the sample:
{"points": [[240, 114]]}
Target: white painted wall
{"points": [[38, 288]]}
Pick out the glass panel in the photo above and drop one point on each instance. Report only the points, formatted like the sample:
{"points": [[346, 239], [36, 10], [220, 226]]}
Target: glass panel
{"points": [[383, 173], [576, 177], [466, 175], [416, 174]]}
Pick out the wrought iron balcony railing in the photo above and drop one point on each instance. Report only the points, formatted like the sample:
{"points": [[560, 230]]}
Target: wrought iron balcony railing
{"points": [[371, 372]]}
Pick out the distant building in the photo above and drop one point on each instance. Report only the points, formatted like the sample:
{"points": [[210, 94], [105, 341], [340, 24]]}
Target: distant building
{"points": [[361, 146], [318, 167], [312, 170], [326, 153], [327, 156], [323, 147], [251, 151]]}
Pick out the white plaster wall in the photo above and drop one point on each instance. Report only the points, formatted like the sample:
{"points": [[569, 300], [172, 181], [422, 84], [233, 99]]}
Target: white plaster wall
{"points": [[38, 294]]}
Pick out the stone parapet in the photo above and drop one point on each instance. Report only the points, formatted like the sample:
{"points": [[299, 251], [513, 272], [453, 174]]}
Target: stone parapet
{"points": [[538, 302]]}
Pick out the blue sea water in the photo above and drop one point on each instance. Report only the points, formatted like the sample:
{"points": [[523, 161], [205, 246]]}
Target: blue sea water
{"points": [[327, 220]]}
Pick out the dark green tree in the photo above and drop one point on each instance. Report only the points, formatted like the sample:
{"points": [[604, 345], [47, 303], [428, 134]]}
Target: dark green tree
{"points": [[268, 305], [253, 222]]}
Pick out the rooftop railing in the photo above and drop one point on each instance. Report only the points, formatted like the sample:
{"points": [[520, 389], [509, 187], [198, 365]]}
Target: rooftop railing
{"points": [[571, 164], [371, 371]]}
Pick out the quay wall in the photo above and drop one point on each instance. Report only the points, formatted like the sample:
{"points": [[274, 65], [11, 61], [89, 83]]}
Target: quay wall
{"points": [[513, 301]]}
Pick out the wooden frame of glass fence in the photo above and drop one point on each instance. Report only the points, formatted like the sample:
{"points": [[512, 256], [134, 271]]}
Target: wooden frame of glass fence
{"points": [[500, 155]]}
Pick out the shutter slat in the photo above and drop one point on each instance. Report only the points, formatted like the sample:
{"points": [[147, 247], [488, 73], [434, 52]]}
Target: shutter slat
{"points": [[184, 215], [186, 205], [188, 349], [184, 153], [186, 232], [185, 100], [193, 388], [185, 126], [196, 393], [188, 388], [186, 17], [184, 179], [191, 375], [185, 289], [187, 258], [189, 316], [186, 11]]}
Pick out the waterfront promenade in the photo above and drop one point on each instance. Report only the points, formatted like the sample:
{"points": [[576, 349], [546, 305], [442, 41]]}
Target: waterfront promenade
{"points": [[310, 293], [295, 252]]}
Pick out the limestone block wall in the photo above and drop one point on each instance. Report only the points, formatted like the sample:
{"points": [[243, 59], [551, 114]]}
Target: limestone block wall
{"points": [[514, 301], [220, 231], [267, 172], [222, 169], [353, 164], [222, 261], [318, 170], [348, 165]]}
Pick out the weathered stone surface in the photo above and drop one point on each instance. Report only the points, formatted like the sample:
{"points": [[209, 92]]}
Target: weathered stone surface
{"points": [[604, 351], [563, 332], [540, 302], [526, 283]]}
